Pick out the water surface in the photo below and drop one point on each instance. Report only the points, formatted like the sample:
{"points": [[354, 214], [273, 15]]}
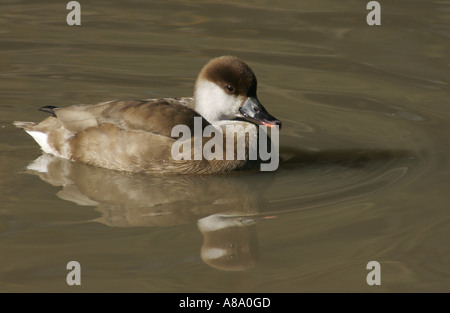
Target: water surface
{"points": [[364, 174]]}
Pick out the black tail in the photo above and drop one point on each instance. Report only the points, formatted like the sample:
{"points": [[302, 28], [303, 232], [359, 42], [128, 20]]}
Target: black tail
{"points": [[49, 109]]}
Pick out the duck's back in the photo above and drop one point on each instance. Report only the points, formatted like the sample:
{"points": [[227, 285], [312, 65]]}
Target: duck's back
{"points": [[151, 115]]}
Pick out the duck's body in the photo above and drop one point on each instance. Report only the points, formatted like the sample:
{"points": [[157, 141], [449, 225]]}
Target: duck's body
{"points": [[136, 135]]}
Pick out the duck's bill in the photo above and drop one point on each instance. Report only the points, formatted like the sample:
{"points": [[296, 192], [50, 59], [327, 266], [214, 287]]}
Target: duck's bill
{"points": [[254, 112]]}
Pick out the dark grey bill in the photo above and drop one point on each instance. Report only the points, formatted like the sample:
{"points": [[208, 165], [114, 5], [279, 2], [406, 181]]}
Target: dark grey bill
{"points": [[254, 112]]}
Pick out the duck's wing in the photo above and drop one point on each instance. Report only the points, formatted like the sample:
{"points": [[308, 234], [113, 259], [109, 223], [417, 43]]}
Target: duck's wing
{"points": [[151, 115]]}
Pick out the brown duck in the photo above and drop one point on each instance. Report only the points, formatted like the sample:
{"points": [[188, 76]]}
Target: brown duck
{"points": [[136, 135]]}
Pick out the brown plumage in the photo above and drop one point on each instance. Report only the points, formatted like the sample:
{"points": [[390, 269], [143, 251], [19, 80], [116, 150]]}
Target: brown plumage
{"points": [[135, 135]]}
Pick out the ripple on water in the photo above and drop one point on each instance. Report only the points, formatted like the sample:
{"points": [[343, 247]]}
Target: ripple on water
{"points": [[357, 153], [363, 103]]}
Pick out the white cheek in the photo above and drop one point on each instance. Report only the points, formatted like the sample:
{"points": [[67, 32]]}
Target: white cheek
{"points": [[214, 104]]}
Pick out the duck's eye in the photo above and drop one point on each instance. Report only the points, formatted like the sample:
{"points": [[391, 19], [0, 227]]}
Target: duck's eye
{"points": [[256, 109], [230, 89]]}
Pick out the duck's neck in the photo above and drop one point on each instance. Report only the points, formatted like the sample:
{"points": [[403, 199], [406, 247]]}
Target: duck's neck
{"points": [[240, 133]]}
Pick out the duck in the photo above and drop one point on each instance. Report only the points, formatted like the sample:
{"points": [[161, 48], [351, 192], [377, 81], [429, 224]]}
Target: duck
{"points": [[137, 135]]}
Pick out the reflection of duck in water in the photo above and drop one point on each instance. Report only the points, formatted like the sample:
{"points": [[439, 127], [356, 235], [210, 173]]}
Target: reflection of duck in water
{"points": [[136, 136], [229, 242], [225, 207]]}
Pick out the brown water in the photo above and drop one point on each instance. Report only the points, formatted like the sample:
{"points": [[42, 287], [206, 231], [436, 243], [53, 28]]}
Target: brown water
{"points": [[365, 174]]}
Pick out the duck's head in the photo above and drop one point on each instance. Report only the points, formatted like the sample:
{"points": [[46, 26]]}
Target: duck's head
{"points": [[226, 90]]}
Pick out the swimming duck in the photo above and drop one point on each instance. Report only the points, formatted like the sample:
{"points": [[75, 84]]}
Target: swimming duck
{"points": [[137, 135]]}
